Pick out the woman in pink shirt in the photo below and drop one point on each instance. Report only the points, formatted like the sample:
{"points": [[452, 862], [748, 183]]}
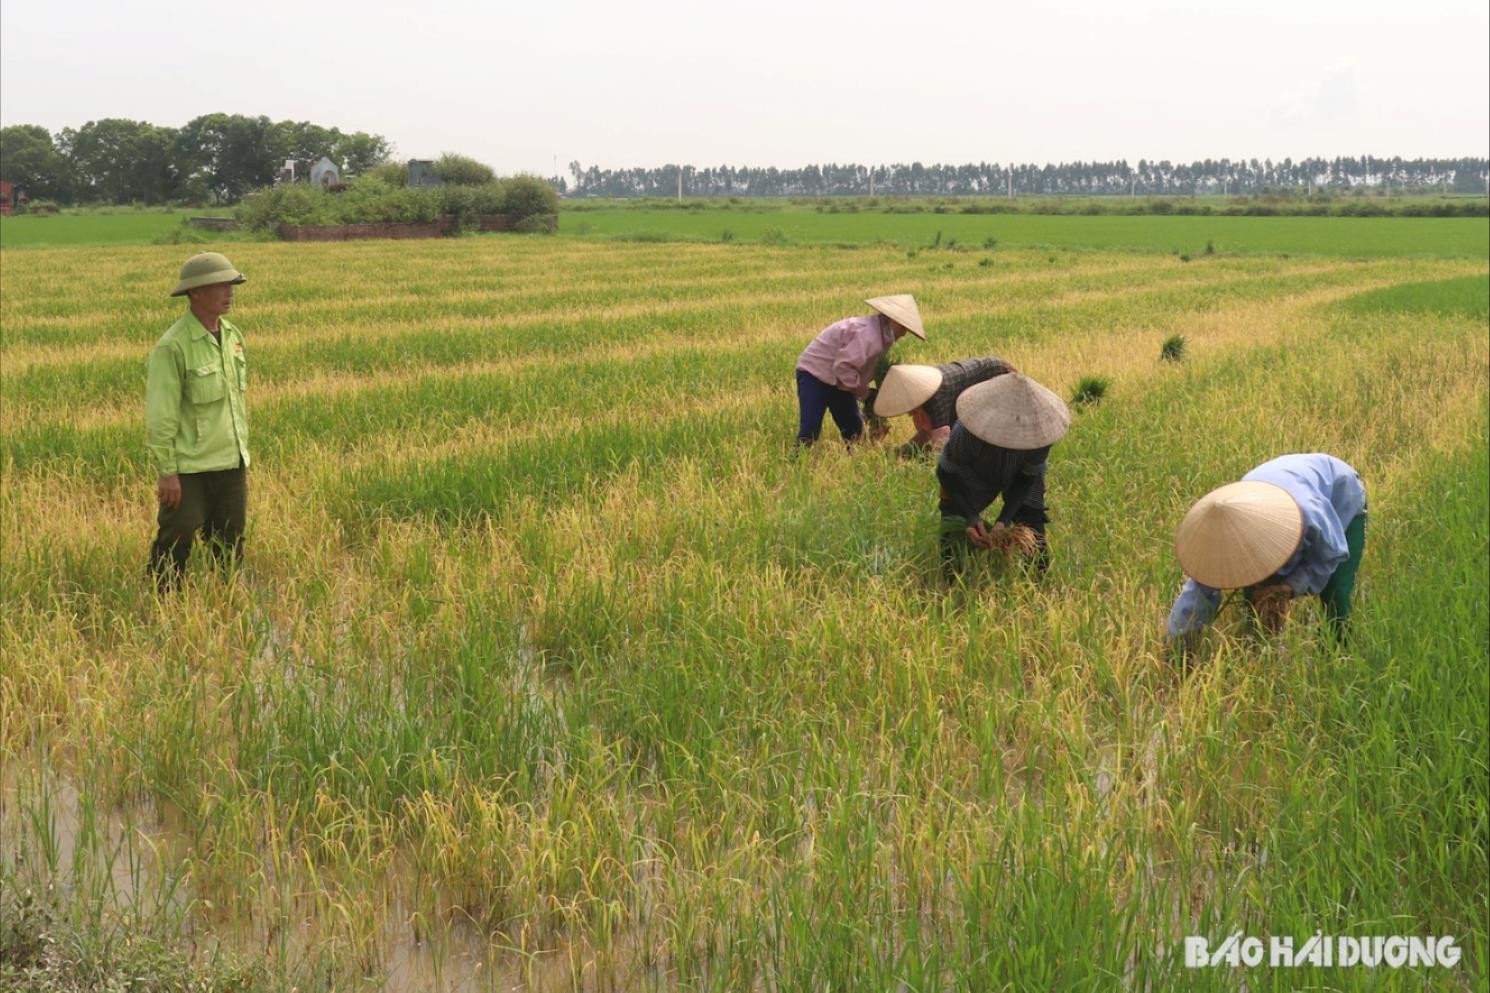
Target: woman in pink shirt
{"points": [[834, 371]]}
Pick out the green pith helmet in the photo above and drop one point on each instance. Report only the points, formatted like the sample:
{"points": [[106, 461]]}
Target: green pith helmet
{"points": [[206, 269]]}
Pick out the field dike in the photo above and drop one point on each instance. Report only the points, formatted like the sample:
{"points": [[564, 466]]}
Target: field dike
{"points": [[557, 670]]}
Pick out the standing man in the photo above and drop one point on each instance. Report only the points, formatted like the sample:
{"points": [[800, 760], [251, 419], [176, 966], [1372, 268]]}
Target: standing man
{"points": [[835, 369], [1293, 527], [999, 448], [929, 394], [196, 423]]}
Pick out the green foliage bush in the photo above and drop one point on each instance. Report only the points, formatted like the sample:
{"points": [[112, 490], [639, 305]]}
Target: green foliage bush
{"points": [[392, 173], [528, 195], [374, 200], [534, 224], [289, 203], [462, 170], [184, 234], [468, 203]]}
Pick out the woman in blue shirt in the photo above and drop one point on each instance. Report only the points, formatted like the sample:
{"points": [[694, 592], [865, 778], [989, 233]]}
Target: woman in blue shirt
{"points": [[1293, 527]]}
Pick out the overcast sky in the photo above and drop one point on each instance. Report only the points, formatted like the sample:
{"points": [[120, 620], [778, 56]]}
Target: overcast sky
{"points": [[765, 82]]}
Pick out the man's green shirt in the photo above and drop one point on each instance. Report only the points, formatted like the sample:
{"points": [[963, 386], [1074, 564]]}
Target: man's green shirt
{"points": [[195, 416]]}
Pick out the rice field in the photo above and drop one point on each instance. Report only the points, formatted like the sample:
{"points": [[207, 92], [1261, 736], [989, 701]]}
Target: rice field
{"points": [[911, 223], [553, 667], [109, 226], [771, 223]]}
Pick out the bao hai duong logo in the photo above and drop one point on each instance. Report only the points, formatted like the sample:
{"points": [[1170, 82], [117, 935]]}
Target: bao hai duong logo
{"points": [[1322, 951]]}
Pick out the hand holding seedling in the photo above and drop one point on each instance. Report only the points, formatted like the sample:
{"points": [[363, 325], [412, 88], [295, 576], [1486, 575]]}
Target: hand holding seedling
{"points": [[1002, 538], [1271, 604]]}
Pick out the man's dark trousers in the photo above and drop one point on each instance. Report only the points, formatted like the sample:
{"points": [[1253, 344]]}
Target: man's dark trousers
{"points": [[214, 503]]}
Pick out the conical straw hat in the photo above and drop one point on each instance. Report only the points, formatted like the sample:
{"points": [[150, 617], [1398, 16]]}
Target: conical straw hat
{"points": [[901, 308], [905, 388], [1239, 534], [1013, 411]]}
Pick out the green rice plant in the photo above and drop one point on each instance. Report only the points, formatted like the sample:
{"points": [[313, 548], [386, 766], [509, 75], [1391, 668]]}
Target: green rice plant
{"points": [[1090, 390], [1173, 349], [1467, 296]]}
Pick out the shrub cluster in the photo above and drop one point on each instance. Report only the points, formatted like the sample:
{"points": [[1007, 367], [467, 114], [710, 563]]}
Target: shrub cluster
{"points": [[372, 200]]}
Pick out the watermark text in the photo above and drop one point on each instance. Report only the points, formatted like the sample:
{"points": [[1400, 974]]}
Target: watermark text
{"points": [[1322, 951]]}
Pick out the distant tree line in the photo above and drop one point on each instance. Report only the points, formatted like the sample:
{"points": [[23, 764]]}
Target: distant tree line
{"points": [[212, 158], [1161, 178]]}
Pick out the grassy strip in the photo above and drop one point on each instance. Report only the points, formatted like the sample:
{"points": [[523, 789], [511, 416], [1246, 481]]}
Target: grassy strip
{"points": [[1337, 237]]}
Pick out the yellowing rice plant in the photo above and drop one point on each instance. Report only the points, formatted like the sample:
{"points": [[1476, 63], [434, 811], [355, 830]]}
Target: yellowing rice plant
{"points": [[552, 666]]}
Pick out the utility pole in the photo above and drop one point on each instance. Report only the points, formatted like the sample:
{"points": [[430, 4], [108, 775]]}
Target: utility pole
{"points": [[871, 180], [1011, 181], [1133, 188], [680, 184]]}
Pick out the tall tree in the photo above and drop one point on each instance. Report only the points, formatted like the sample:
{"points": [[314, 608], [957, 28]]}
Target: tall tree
{"points": [[30, 160], [302, 142], [227, 154], [360, 152], [115, 160]]}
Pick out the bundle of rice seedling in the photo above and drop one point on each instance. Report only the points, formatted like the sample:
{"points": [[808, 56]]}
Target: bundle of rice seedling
{"points": [[876, 426], [1271, 604], [1090, 390], [1016, 540]]}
